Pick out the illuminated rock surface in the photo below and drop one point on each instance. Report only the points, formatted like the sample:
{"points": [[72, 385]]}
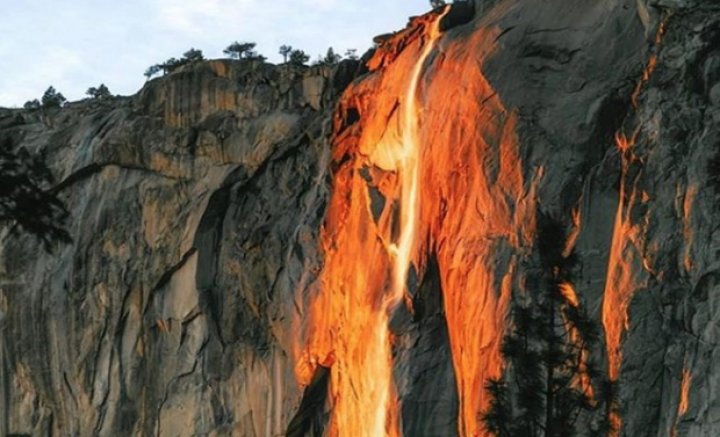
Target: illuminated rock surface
{"points": [[238, 230]]}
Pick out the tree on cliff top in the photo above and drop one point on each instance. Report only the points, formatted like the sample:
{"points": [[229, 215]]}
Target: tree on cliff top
{"points": [[32, 104], [285, 51], [331, 58], [152, 71], [545, 385], [298, 57], [101, 92], [192, 55], [26, 202], [244, 50], [351, 54], [52, 98]]}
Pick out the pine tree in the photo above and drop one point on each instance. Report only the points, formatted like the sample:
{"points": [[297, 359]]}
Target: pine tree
{"points": [[545, 386], [285, 51], [190, 56], [245, 50], [32, 104], [331, 58], [26, 202], [52, 98], [152, 70], [351, 54], [100, 93], [298, 57], [172, 64], [193, 55]]}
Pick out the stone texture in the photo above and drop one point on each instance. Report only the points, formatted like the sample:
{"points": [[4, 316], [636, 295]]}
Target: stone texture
{"points": [[197, 204]]}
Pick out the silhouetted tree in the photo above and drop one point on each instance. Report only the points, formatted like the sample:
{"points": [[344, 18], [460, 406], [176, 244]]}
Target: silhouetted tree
{"points": [[152, 70], [607, 399], [193, 55], [52, 98], [32, 104], [245, 50], [26, 202], [546, 351], [351, 54], [101, 92], [331, 58], [308, 420], [298, 57], [285, 51], [172, 64]]}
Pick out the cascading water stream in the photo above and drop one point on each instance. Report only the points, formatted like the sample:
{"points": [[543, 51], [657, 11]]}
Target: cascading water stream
{"points": [[367, 257], [408, 167]]}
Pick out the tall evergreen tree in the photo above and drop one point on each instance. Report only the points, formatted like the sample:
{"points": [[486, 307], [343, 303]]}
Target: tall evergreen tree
{"points": [[546, 383]]}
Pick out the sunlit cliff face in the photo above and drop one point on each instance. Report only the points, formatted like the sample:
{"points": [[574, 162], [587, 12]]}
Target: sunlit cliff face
{"points": [[426, 165], [431, 168], [627, 269], [367, 257], [621, 281]]}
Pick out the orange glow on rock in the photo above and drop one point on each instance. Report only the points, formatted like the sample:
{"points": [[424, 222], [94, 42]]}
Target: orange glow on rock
{"points": [[574, 232], [476, 203], [568, 292], [684, 392], [583, 378], [688, 202], [430, 165], [625, 263], [651, 64], [367, 255], [684, 402], [450, 176], [621, 281]]}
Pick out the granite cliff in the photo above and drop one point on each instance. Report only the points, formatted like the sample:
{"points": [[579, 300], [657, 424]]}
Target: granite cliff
{"points": [[264, 250]]}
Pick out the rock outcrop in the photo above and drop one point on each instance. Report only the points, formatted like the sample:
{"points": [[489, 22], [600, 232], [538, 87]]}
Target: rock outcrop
{"points": [[210, 213], [195, 208]]}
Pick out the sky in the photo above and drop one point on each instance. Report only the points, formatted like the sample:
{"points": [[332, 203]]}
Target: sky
{"points": [[75, 44]]}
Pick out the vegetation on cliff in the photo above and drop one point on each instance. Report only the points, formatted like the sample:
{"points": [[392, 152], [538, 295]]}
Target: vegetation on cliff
{"points": [[548, 378], [27, 203]]}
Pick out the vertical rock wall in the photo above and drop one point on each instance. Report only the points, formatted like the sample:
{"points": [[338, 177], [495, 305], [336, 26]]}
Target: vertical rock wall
{"points": [[180, 306], [195, 206]]}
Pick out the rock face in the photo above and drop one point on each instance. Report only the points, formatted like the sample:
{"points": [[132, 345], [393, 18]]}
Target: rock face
{"points": [[195, 208], [209, 210]]}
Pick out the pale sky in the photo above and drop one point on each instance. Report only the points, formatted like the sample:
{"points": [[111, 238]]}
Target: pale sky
{"points": [[76, 44]]}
